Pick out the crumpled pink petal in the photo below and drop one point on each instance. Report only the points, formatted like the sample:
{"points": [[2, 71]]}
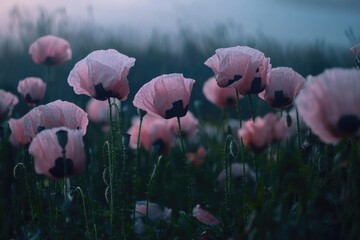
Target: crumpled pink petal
{"points": [[48, 154], [55, 114], [167, 96], [240, 67], [282, 87], [102, 74]]}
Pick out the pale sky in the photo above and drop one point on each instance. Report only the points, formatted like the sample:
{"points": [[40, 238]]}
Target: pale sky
{"points": [[283, 20]]}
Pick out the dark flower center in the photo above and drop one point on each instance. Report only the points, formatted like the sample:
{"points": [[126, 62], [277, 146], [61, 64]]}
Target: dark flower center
{"points": [[178, 110], [63, 167], [230, 101], [256, 86], [49, 61], [40, 128], [101, 93], [280, 99], [29, 99], [349, 123], [236, 78], [62, 138]]}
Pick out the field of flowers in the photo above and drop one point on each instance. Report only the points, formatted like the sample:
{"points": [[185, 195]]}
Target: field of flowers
{"points": [[211, 139]]}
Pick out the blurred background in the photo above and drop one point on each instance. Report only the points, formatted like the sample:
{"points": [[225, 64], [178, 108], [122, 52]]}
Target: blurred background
{"points": [[168, 36]]}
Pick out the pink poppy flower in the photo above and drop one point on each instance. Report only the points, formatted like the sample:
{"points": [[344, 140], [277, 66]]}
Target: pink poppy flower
{"points": [[167, 96], [50, 50], [204, 216], [17, 136], [58, 152], [221, 97], [52, 115], [237, 175], [257, 135], [7, 103], [282, 87], [355, 50], [197, 158], [98, 112], [32, 90], [189, 125], [155, 212], [102, 74], [329, 104], [240, 67], [154, 130]]}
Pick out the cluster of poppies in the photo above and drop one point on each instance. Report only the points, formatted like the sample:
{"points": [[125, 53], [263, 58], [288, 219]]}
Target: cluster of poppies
{"points": [[53, 132]]}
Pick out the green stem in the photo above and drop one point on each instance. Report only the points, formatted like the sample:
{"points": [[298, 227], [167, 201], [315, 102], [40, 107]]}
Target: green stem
{"points": [[152, 177], [136, 174], [251, 107], [27, 190], [238, 107], [84, 209], [187, 168], [298, 129]]}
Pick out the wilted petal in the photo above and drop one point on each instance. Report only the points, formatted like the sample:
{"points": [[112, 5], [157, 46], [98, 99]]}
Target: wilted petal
{"points": [[204, 216]]}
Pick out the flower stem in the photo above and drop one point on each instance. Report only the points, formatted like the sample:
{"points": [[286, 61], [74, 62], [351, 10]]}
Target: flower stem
{"points": [[187, 169], [251, 107]]}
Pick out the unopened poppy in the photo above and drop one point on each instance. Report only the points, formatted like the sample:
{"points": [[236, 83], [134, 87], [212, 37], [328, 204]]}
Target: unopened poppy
{"points": [[102, 74], [32, 90], [50, 50], [282, 87], [167, 96], [241, 67], [58, 152], [329, 104]]}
